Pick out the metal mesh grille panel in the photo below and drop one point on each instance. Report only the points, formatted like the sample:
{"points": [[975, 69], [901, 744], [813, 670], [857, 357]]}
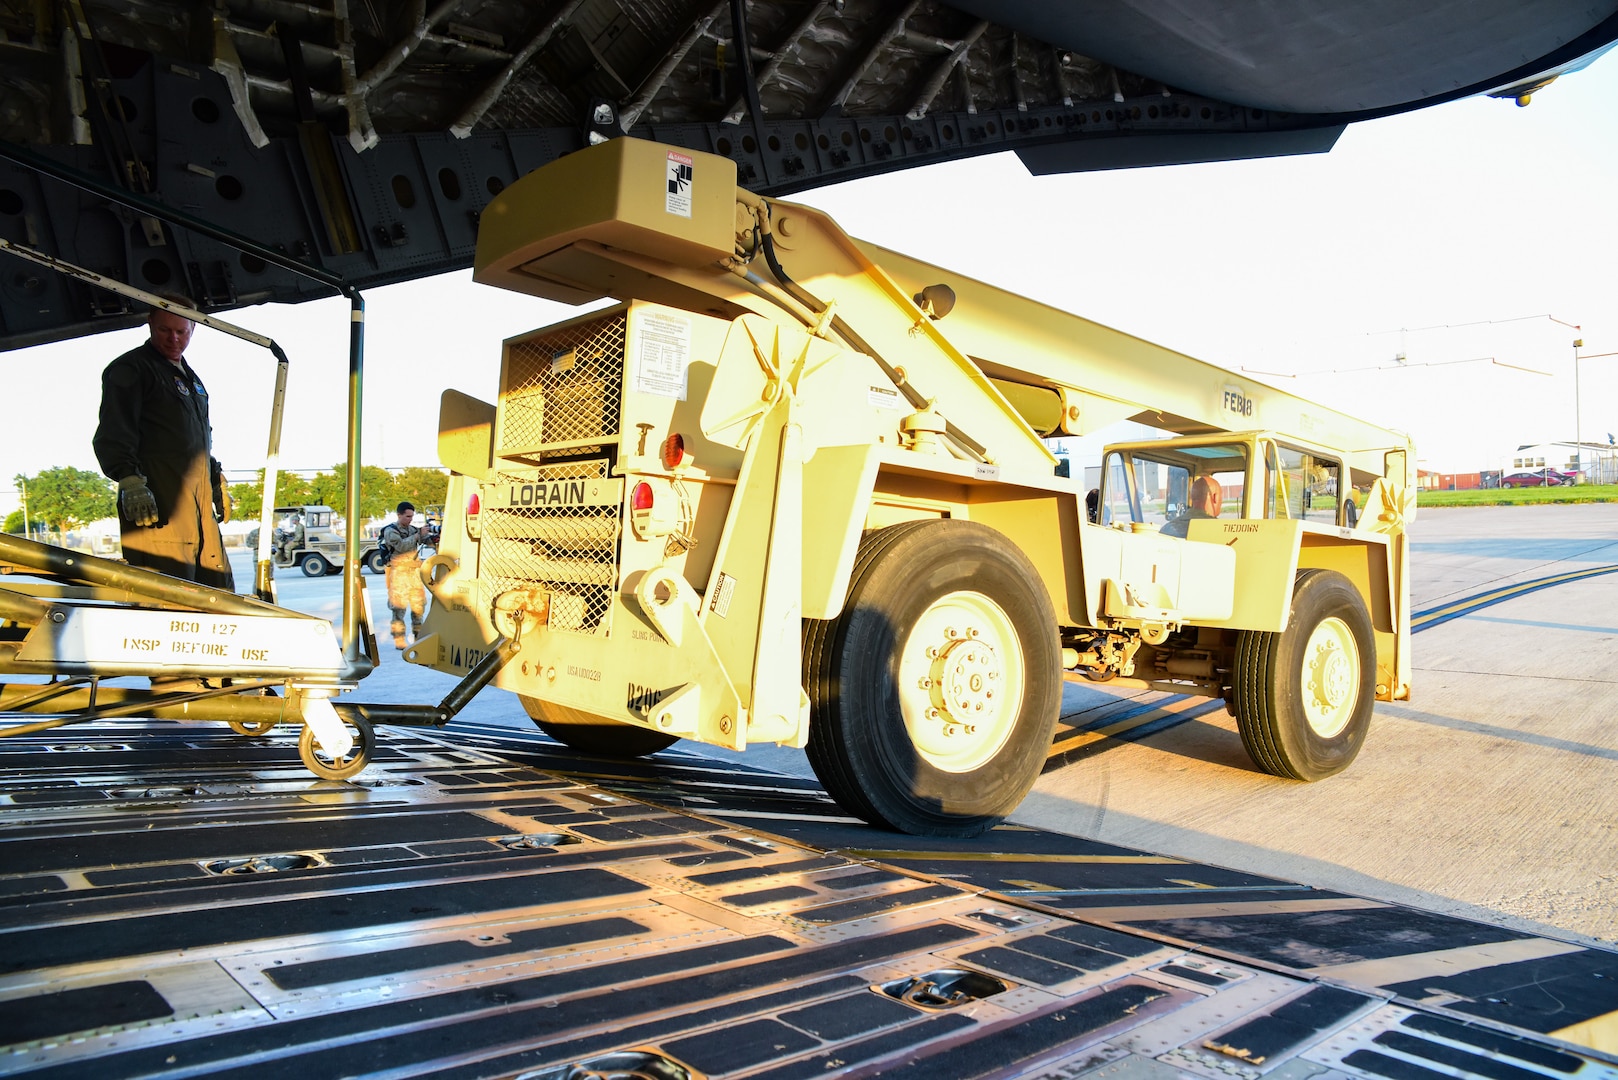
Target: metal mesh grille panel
{"points": [[567, 551], [563, 390]]}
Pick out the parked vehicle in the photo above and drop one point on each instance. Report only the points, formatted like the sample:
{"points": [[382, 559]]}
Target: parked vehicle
{"points": [[1538, 478], [318, 550]]}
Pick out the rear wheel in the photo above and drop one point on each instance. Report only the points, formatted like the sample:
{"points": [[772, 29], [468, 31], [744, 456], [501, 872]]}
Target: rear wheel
{"points": [[1303, 697], [376, 562], [314, 565], [934, 695], [608, 739]]}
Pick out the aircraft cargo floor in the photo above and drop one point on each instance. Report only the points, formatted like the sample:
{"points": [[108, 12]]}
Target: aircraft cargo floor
{"points": [[178, 901]]}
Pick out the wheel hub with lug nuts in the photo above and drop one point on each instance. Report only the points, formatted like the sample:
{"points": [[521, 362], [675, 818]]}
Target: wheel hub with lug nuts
{"points": [[1332, 683], [958, 687], [1331, 675], [965, 676]]}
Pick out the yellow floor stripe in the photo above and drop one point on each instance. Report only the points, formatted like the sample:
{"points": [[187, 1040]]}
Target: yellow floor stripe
{"points": [[1085, 738], [1500, 594], [1443, 962], [1598, 1033], [1127, 914], [1012, 857]]}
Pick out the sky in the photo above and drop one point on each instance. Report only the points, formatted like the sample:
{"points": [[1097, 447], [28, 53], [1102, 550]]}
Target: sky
{"points": [[1476, 239]]}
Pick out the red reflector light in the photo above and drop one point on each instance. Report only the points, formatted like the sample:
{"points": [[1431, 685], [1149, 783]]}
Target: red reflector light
{"points": [[641, 497], [673, 451], [473, 505]]}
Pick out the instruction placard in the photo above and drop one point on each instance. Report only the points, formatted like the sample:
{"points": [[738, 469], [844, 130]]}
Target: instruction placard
{"points": [[662, 354]]}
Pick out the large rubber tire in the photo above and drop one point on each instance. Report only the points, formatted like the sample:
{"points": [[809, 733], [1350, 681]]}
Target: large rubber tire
{"points": [[621, 741], [314, 565], [934, 695], [375, 562], [327, 767], [1303, 697]]}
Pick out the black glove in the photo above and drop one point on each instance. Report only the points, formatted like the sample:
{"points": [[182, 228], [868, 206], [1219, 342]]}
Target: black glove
{"points": [[136, 499], [222, 504], [221, 493]]}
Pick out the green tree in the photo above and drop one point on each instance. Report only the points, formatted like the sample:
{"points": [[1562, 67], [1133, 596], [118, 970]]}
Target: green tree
{"points": [[420, 485], [14, 522], [376, 484], [66, 497], [248, 497], [294, 490]]}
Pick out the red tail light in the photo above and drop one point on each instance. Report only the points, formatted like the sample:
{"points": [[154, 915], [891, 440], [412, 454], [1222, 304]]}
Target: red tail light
{"points": [[474, 505], [641, 497], [673, 451]]}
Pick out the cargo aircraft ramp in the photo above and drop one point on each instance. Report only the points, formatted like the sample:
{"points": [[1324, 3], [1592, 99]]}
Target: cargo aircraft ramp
{"points": [[482, 902]]}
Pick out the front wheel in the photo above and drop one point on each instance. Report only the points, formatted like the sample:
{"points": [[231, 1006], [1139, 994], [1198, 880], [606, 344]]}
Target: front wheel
{"points": [[1303, 696], [934, 695], [314, 565]]}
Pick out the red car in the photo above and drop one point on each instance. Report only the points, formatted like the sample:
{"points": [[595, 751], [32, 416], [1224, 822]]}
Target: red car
{"points": [[1540, 478]]}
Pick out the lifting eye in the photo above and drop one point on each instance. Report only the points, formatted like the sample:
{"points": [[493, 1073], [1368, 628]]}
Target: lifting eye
{"points": [[936, 301]]}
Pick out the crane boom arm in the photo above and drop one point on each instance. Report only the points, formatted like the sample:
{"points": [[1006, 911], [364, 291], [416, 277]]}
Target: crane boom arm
{"points": [[1103, 375]]}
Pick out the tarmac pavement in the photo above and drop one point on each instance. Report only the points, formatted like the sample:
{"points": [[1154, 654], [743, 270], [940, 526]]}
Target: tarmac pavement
{"points": [[1492, 792]]}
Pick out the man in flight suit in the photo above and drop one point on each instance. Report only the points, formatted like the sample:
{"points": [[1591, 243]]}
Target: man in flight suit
{"points": [[154, 439]]}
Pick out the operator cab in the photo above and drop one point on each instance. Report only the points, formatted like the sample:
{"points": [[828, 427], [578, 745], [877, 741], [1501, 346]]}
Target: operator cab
{"points": [[1151, 485]]}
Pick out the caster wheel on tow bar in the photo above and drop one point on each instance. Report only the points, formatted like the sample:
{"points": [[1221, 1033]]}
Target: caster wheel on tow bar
{"points": [[330, 767]]}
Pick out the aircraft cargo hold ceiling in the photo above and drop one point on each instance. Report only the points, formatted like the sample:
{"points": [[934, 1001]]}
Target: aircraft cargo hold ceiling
{"points": [[363, 137]]}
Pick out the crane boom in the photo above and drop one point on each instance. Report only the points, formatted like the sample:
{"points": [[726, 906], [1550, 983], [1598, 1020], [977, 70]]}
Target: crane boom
{"points": [[1102, 375]]}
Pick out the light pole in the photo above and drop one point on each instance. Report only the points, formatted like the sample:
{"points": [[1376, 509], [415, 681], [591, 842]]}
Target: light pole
{"points": [[1578, 432], [1578, 343]]}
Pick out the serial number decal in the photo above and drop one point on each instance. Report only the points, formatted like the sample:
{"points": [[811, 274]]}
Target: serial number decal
{"points": [[584, 673], [643, 699], [1237, 403]]}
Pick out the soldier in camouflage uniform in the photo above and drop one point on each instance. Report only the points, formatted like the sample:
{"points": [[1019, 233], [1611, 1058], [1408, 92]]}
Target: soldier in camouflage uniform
{"points": [[401, 542]]}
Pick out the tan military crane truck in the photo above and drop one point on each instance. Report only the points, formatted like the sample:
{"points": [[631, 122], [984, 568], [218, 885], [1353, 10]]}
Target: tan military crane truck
{"points": [[795, 489]]}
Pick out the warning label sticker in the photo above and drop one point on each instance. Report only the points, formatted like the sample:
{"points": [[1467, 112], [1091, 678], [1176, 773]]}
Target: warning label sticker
{"points": [[884, 397], [722, 594], [679, 193]]}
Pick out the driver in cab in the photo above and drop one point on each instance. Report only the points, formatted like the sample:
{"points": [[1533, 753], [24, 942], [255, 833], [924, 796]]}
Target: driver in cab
{"points": [[1203, 502]]}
